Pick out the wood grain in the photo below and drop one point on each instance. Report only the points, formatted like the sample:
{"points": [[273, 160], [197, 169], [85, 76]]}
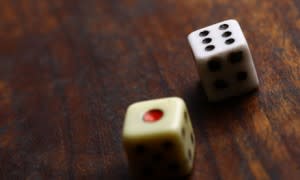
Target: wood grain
{"points": [[69, 69]]}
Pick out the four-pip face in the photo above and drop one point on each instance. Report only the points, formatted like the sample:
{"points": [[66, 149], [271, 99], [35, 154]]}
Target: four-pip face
{"points": [[158, 138], [224, 60]]}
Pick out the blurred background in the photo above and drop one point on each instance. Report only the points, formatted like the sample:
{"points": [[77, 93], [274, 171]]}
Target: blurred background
{"points": [[69, 69]]}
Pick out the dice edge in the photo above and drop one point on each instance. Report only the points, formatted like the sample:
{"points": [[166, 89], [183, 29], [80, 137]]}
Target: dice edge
{"points": [[127, 135]]}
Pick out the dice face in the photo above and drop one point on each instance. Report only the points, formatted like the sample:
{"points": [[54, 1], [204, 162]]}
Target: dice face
{"points": [[158, 138], [224, 60]]}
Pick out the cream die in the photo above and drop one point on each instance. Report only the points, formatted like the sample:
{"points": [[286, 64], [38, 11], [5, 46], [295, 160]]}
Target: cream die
{"points": [[224, 61], [158, 138]]}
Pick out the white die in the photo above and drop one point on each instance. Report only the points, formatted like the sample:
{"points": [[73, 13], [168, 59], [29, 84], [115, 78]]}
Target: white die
{"points": [[224, 60]]}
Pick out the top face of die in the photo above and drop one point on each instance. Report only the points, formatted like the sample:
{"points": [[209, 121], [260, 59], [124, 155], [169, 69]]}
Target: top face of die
{"points": [[216, 39], [153, 117]]}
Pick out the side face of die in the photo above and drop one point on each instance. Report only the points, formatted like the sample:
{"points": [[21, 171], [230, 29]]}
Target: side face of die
{"points": [[224, 60], [158, 138]]}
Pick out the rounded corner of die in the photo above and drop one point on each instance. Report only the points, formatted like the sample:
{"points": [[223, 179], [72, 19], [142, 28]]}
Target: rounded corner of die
{"points": [[127, 135], [191, 34], [131, 107], [257, 83], [232, 20], [202, 60], [198, 57], [178, 99], [127, 115], [190, 37]]}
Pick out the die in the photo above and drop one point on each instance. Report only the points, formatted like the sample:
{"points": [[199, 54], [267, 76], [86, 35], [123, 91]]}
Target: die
{"points": [[158, 138], [224, 61]]}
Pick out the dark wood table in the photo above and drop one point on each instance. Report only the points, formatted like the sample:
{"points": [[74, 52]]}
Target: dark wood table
{"points": [[70, 68]]}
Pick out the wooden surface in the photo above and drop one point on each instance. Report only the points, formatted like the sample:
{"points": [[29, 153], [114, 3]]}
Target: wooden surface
{"points": [[69, 69]]}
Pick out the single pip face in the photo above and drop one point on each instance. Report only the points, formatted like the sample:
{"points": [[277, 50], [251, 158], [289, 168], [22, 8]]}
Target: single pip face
{"points": [[224, 60], [158, 138]]}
